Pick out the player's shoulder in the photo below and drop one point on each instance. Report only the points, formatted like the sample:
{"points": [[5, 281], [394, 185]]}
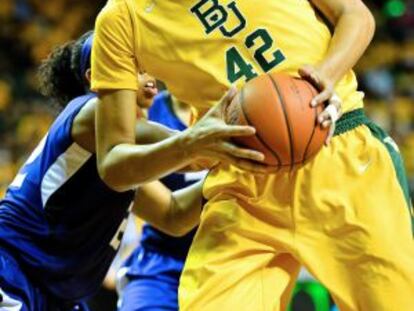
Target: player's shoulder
{"points": [[76, 104], [65, 119], [83, 125], [114, 10], [114, 24]]}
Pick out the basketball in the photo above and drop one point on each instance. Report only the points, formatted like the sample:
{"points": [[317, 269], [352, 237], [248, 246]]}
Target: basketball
{"points": [[278, 106]]}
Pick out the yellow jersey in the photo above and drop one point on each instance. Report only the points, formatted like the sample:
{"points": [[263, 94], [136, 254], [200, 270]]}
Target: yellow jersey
{"points": [[200, 47]]}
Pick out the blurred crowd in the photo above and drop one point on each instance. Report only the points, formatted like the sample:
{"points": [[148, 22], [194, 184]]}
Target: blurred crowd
{"points": [[31, 28]]}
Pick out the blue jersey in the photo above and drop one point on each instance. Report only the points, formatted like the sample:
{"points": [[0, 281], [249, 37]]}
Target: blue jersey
{"points": [[153, 239], [58, 218]]}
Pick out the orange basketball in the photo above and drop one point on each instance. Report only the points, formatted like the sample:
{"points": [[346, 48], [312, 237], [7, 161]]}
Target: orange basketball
{"points": [[278, 106]]}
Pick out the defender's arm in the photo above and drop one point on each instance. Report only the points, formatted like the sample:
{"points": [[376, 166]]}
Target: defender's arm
{"points": [[148, 132], [122, 164], [173, 213]]}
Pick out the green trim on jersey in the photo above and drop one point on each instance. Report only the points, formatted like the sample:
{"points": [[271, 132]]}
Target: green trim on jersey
{"points": [[355, 118], [398, 162], [350, 120]]}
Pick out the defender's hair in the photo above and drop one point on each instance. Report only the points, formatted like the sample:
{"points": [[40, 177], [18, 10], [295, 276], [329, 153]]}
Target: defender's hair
{"points": [[60, 75]]}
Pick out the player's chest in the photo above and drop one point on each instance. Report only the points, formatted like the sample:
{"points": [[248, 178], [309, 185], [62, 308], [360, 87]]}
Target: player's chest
{"points": [[195, 29], [220, 42]]}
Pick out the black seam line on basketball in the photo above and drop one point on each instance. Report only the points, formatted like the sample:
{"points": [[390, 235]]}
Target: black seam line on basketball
{"points": [[314, 127], [291, 165], [261, 140], [282, 103]]}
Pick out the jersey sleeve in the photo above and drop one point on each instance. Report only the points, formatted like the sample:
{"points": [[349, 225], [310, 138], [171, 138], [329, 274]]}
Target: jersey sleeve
{"points": [[114, 65]]}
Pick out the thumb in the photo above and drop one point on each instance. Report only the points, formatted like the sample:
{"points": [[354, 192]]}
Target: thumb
{"points": [[306, 71], [226, 100], [310, 74], [228, 97]]}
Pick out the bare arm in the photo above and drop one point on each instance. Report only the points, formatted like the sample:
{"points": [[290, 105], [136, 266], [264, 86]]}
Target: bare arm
{"points": [[123, 165], [173, 213], [148, 132], [354, 29], [83, 129]]}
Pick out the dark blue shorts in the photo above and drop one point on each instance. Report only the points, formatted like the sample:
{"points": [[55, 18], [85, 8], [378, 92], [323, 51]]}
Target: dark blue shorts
{"points": [[150, 282], [17, 293]]}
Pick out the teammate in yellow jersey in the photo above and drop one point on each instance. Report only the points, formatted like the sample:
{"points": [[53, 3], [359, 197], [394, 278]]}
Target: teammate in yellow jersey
{"points": [[345, 215]]}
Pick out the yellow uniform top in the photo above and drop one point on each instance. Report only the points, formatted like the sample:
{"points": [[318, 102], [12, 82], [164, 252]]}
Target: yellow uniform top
{"points": [[200, 47]]}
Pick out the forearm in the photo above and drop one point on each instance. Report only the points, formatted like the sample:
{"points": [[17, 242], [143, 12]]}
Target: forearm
{"points": [[148, 132], [126, 166], [354, 29], [123, 165], [173, 213], [186, 206]]}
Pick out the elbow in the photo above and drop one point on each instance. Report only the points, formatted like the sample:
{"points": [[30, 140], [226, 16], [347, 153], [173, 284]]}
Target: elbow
{"points": [[177, 233], [115, 171], [180, 232], [177, 225], [365, 19], [175, 229], [111, 177], [370, 23]]}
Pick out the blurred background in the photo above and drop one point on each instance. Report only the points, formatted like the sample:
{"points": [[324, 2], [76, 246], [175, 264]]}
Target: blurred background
{"points": [[29, 29]]}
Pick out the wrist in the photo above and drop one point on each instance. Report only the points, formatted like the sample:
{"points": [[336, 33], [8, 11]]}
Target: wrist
{"points": [[326, 73], [185, 142]]}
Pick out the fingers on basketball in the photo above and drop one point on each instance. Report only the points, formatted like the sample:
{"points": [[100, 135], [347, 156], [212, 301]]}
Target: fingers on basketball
{"points": [[278, 106]]}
